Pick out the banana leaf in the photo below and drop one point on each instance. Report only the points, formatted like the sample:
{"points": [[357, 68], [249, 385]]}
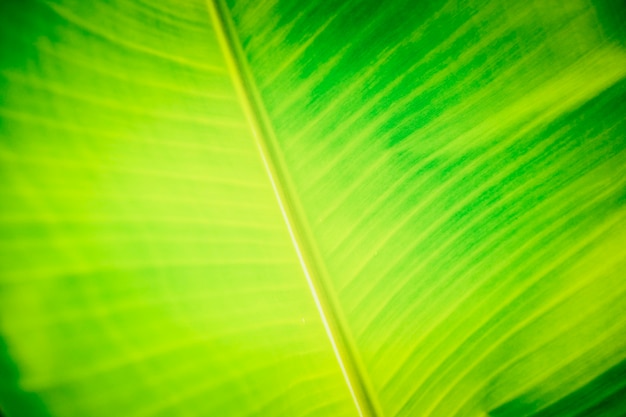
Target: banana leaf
{"points": [[289, 208]]}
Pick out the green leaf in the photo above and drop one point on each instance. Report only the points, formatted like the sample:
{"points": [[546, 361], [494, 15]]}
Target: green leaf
{"points": [[312, 208], [146, 267], [462, 169]]}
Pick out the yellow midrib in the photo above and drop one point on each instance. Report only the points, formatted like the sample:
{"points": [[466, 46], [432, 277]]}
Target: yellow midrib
{"points": [[310, 262]]}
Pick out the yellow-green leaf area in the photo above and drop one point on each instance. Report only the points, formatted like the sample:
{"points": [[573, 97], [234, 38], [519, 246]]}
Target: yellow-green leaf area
{"points": [[145, 266]]}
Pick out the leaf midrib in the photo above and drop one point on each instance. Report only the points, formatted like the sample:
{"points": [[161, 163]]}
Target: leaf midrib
{"points": [[308, 256]]}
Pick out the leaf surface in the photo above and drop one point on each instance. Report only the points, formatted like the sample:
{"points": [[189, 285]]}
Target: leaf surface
{"points": [[146, 268], [449, 174], [462, 169]]}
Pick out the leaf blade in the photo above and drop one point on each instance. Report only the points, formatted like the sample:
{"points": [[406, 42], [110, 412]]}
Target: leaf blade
{"points": [[145, 265]]}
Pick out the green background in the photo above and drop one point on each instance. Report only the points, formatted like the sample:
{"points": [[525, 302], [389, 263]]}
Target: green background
{"points": [[459, 168]]}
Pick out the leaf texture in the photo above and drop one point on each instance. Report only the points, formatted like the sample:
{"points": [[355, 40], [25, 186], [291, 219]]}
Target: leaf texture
{"points": [[454, 171], [146, 269], [462, 169]]}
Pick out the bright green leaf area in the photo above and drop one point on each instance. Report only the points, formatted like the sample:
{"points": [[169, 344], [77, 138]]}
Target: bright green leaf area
{"points": [[146, 268], [459, 169]]}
